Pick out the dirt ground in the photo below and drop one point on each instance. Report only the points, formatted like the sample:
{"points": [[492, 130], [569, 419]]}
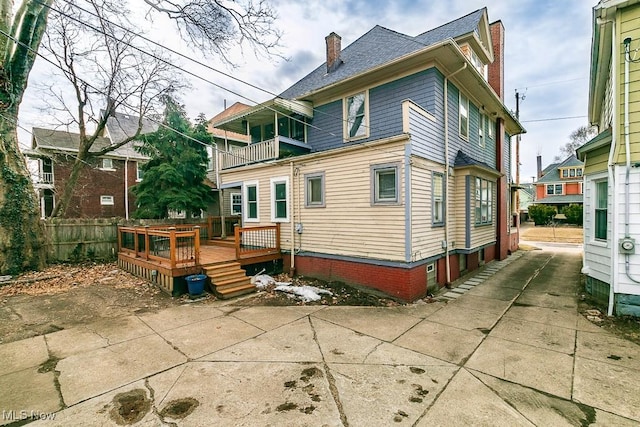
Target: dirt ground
{"points": [[560, 233]]}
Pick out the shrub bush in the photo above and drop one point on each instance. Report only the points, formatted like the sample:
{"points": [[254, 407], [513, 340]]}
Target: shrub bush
{"points": [[541, 214], [573, 213]]}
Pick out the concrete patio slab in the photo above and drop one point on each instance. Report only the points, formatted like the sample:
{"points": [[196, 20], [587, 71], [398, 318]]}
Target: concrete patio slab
{"points": [[342, 345], [588, 326], [468, 402], [421, 310], [19, 355], [467, 319], [263, 317], [441, 341], [490, 290], [26, 394], [565, 318], [488, 305], [71, 341], [389, 354], [546, 410], [545, 299], [377, 322], [293, 342], [388, 395], [86, 375], [608, 387], [608, 349], [536, 334], [250, 394], [175, 317], [541, 369], [119, 329], [207, 336]]}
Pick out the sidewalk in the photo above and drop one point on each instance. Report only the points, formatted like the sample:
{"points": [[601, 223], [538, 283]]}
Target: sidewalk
{"points": [[509, 348]]}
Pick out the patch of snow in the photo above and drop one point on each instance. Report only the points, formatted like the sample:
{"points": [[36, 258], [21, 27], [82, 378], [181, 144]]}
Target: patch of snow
{"points": [[262, 281], [304, 293]]}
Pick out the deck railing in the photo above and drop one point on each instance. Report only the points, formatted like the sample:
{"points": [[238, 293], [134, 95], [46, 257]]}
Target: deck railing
{"points": [[178, 246], [257, 241], [214, 225], [252, 153]]}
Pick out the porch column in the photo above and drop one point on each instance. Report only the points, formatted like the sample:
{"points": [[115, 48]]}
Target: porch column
{"points": [[502, 231]]}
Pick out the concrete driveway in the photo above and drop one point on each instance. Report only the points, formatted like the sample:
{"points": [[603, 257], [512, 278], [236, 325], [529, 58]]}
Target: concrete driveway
{"points": [[505, 348]]}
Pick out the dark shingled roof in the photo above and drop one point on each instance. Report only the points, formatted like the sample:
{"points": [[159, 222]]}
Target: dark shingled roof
{"points": [[377, 47], [557, 200], [121, 126], [552, 173], [463, 159]]}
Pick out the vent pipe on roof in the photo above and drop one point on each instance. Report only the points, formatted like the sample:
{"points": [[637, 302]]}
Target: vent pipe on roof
{"points": [[334, 47], [539, 162]]}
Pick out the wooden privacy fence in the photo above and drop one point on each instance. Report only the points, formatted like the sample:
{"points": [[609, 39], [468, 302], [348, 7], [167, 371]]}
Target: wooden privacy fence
{"points": [[177, 246], [252, 242]]}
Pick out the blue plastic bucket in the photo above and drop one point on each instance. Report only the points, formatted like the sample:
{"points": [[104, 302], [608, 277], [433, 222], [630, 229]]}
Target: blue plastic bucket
{"points": [[195, 284]]}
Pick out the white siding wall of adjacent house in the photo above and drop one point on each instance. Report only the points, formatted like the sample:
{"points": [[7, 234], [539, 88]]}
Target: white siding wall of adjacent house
{"points": [[348, 224], [625, 284], [597, 253], [426, 237]]}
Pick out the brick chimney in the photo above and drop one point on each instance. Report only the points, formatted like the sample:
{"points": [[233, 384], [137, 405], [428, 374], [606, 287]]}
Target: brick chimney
{"points": [[539, 161], [496, 68], [334, 47]]}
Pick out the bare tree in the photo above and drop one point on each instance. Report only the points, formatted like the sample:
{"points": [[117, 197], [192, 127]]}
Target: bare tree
{"points": [[577, 138], [212, 25]]}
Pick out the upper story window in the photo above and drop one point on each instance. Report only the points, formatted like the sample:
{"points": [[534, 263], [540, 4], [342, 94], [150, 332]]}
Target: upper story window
{"points": [[571, 172], [107, 164], [554, 189], [355, 113], [139, 172], [482, 130], [314, 188], [463, 116], [437, 205]]}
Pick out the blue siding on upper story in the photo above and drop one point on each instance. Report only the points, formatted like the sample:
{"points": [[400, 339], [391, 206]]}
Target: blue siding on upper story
{"points": [[385, 110]]}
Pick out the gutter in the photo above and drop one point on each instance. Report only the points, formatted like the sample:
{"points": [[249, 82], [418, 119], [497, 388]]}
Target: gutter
{"points": [[612, 180], [126, 188]]}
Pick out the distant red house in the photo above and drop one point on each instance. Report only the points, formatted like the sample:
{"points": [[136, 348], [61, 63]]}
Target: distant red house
{"points": [[560, 184]]}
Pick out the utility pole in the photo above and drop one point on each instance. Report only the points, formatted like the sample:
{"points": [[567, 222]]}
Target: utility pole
{"points": [[519, 97]]}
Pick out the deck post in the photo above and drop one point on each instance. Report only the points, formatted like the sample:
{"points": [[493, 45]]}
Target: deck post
{"points": [[135, 242], [146, 242], [172, 246], [278, 236], [210, 227], [196, 243], [236, 232], [119, 239]]}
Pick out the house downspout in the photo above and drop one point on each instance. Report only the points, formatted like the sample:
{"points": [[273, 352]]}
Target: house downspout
{"points": [[627, 148], [292, 265], [126, 188], [446, 173], [612, 179]]}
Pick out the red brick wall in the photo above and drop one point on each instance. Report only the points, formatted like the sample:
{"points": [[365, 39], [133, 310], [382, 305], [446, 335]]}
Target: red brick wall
{"points": [[93, 183], [473, 261], [489, 253], [496, 68]]}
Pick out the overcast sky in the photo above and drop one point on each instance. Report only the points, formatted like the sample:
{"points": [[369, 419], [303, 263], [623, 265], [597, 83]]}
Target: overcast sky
{"points": [[547, 57]]}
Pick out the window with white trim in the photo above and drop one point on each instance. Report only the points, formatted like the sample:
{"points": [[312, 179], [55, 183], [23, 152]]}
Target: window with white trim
{"points": [[314, 190], [437, 205], [106, 200], [463, 116], [484, 202], [355, 113], [481, 130], [139, 172], [251, 205], [385, 184], [601, 204], [279, 199], [236, 204], [554, 189], [107, 164]]}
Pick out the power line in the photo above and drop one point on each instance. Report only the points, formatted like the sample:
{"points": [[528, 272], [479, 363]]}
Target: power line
{"points": [[554, 119]]}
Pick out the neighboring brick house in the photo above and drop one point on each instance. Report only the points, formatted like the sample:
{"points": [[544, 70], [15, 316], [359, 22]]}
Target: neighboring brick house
{"points": [[387, 167], [560, 184], [104, 186]]}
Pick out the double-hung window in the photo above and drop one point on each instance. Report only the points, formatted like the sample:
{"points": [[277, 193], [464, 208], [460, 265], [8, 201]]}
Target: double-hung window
{"points": [[236, 203], [314, 189], [484, 202], [482, 130], [107, 164], [139, 172], [463, 116], [601, 202], [385, 184], [437, 206], [279, 199], [355, 113], [554, 189], [251, 211]]}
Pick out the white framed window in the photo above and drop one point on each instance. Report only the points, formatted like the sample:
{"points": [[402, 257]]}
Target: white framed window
{"points": [[437, 198], [107, 164], [554, 189], [236, 203], [106, 200], [280, 199], [356, 112], [385, 184], [579, 172], [482, 130], [251, 202], [490, 126], [314, 190], [484, 202], [463, 116], [139, 172]]}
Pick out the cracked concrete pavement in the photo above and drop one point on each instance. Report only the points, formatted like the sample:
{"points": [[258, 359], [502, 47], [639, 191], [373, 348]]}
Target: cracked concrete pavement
{"points": [[509, 348]]}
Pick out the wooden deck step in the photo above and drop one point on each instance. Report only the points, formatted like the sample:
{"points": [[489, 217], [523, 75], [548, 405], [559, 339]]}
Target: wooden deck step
{"points": [[229, 280]]}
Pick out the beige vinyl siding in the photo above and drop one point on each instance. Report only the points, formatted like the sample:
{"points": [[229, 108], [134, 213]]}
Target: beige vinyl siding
{"points": [[597, 161], [629, 27], [426, 238], [348, 224], [480, 234]]}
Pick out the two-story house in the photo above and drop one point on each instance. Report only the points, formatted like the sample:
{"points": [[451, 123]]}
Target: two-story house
{"points": [[612, 158], [387, 166], [103, 188], [560, 184]]}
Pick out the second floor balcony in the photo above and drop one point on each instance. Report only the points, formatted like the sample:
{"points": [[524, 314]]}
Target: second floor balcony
{"points": [[272, 149]]}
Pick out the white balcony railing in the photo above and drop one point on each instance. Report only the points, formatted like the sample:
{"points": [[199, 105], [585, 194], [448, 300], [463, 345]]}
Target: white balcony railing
{"points": [[46, 178], [253, 153]]}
